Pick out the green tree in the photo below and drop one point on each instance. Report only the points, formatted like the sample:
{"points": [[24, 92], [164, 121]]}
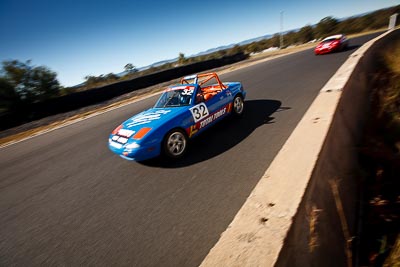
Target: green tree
{"points": [[306, 34], [235, 50], [326, 26], [31, 83], [274, 41], [111, 77], [9, 99], [91, 80], [291, 38], [220, 53], [181, 59], [254, 47], [130, 68]]}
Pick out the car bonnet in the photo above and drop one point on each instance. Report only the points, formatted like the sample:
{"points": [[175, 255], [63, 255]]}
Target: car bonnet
{"points": [[151, 118]]}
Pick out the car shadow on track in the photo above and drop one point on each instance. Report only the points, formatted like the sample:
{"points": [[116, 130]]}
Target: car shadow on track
{"points": [[351, 47], [223, 136]]}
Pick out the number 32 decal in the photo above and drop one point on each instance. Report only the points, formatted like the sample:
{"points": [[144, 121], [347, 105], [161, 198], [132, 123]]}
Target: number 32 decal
{"points": [[199, 112]]}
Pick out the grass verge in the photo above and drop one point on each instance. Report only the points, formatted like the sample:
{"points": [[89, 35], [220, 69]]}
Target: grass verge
{"points": [[380, 159]]}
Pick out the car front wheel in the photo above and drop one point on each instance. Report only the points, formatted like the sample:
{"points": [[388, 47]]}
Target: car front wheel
{"points": [[175, 143], [238, 105]]}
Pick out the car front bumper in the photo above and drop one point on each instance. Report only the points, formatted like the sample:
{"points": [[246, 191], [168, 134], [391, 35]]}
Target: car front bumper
{"points": [[140, 153]]}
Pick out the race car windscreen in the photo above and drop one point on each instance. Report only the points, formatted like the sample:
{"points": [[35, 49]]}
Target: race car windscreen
{"points": [[330, 40], [175, 98]]}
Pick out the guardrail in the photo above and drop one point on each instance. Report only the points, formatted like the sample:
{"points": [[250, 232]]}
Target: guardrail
{"points": [[303, 210]]}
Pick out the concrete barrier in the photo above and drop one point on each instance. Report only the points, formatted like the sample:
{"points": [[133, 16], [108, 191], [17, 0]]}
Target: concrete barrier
{"points": [[303, 211]]}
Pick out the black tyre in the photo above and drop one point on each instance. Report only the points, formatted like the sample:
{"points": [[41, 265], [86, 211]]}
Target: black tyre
{"points": [[175, 144], [238, 106]]}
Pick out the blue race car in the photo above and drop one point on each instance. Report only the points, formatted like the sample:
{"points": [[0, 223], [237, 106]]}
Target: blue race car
{"points": [[182, 112]]}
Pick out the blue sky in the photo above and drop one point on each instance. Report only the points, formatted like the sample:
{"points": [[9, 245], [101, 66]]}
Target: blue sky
{"points": [[76, 38]]}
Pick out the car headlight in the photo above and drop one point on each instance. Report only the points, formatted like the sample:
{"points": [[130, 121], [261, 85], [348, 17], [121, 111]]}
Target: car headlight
{"points": [[132, 145]]}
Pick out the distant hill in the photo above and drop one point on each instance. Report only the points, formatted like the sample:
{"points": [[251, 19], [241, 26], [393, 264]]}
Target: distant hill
{"points": [[209, 51], [245, 42]]}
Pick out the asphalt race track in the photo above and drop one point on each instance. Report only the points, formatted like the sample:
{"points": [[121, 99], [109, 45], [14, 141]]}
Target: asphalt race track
{"points": [[66, 200]]}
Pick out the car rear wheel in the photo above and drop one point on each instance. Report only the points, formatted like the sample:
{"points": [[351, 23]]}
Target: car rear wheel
{"points": [[175, 143], [238, 105]]}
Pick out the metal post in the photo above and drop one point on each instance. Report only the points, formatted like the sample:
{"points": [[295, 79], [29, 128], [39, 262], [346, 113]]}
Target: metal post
{"points": [[392, 22], [281, 35]]}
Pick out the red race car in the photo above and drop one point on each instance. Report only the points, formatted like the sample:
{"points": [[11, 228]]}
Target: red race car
{"points": [[332, 43]]}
